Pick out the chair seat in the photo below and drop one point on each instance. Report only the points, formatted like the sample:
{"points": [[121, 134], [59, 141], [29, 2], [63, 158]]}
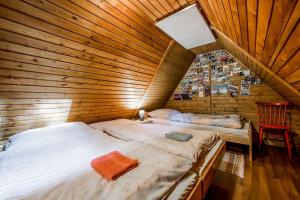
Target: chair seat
{"points": [[274, 126]]}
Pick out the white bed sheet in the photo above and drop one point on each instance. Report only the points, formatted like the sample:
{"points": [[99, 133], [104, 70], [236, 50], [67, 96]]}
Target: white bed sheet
{"points": [[57, 166], [154, 135], [243, 132]]}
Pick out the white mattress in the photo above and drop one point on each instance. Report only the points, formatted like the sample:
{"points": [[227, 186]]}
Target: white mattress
{"points": [[243, 132], [186, 185], [54, 163], [154, 135]]}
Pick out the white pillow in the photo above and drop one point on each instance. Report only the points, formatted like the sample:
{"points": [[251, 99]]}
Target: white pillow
{"points": [[181, 117], [163, 113]]}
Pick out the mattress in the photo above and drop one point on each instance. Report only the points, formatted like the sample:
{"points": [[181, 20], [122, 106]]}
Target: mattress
{"points": [[183, 188], [227, 121], [54, 163], [242, 132], [154, 135]]}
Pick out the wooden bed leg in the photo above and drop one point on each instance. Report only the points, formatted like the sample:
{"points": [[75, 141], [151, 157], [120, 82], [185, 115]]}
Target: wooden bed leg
{"points": [[250, 142], [250, 152]]}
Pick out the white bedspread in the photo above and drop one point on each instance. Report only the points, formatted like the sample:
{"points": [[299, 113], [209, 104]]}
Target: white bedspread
{"points": [[154, 135], [55, 164], [227, 121]]}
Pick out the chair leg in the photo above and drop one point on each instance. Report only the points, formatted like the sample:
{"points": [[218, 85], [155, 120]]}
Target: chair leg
{"points": [[287, 143], [260, 138]]}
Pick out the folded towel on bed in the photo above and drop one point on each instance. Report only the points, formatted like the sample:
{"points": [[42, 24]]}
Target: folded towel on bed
{"points": [[113, 165], [182, 137]]}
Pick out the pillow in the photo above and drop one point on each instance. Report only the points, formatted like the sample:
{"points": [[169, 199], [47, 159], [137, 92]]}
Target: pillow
{"points": [[181, 117], [163, 113]]}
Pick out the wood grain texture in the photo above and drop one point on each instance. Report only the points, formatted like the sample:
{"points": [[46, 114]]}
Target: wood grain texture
{"points": [[282, 86], [207, 47], [268, 30], [83, 60], [271, 175], [174, 65], [242, 105]]}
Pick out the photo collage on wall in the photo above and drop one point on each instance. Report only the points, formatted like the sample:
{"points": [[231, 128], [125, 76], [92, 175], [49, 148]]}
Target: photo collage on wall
{"points": [[219, 66]]}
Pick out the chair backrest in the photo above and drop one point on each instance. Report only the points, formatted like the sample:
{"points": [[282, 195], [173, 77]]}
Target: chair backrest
{"points": [[274, 113]]}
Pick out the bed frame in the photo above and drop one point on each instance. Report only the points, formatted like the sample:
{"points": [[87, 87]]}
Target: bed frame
{"points": [[229, 137], [206, 178], [240, 140]]}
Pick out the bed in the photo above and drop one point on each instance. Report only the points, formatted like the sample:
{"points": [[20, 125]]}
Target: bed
{"points": [[204, 166], [242, 135], [54, 163]]}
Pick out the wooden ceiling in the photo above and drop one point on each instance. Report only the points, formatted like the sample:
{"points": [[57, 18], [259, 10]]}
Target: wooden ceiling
{"points": [[268, 32], [79, 60], [156, 9]]}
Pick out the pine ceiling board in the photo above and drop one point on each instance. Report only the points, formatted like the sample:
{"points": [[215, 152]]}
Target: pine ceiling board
{"points": [[267, 30], [60, 60], [157, 4], [284, 88], [297, 85], [208, 12], [64, 25], [235, 16], [264, 14], [289, 49], [281, 11], [141, 26], [291, 66], [143, 21], [142, 8], [174, 4], [294, 77], [242, 9], [252, 16], [221, 19], [156, 12], [227, 9], [182, 3], [166, 6], [292, 22]]}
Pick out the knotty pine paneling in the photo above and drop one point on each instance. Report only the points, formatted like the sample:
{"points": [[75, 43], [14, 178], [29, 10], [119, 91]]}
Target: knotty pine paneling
{"points": [[268, 30], [271, 78], [242, 105], [171, 70], [77, 61], [158, 9], [207, 47]]}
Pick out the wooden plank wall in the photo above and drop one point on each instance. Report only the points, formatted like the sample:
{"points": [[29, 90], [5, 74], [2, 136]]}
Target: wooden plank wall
{"points": [[171, 71], [207, 47], [243, 105], [268, 30], [77, 61], [271, 78]]}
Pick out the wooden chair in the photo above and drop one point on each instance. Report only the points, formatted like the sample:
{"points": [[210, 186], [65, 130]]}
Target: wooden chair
{"points": [[274, 115]]}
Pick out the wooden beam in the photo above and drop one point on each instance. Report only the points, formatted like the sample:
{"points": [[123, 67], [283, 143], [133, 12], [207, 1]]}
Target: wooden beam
{"points": [[155, 75], [261, 65]]}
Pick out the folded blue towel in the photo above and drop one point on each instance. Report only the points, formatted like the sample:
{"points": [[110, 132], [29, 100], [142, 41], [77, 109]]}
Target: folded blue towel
{"points": [[182, 137]]}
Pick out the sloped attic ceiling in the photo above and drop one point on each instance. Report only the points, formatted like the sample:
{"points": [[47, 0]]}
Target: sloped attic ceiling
{"points": [[83, 60], [264, 35]]}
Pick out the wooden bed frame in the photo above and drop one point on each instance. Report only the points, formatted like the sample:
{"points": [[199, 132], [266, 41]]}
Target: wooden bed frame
{"points": [[201, 187], [240, 140], [228, 137]]}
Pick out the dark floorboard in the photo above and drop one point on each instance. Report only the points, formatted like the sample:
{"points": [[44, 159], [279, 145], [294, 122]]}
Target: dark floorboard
{"points": [[270, 176]]}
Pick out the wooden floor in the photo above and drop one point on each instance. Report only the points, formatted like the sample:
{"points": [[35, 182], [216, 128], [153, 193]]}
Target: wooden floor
{"points": [[271, 176]]}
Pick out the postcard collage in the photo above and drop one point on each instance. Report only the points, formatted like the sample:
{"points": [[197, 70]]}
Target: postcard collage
{"points": [[210, 74]]}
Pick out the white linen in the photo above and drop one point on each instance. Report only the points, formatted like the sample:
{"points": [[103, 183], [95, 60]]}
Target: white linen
{"points": [[154, 134], [56, 165], [163, 113], [243, 132], [227, 121]]}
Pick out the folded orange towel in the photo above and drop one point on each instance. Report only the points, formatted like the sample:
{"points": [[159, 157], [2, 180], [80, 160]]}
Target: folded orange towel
{"points": [[113, 165]]}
